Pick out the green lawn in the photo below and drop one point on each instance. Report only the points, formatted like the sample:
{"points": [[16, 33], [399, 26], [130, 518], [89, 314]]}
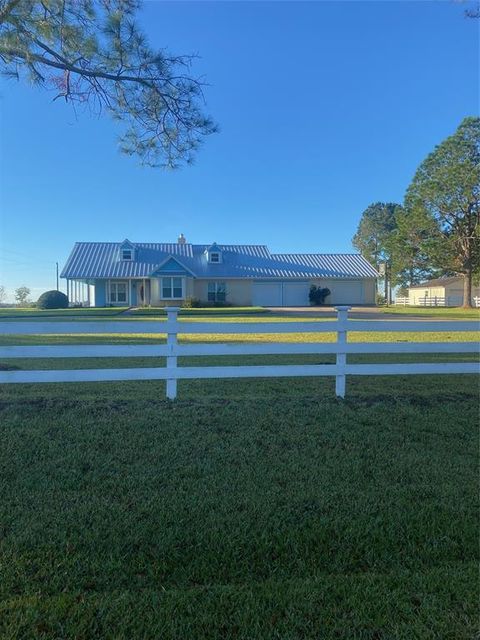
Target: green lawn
{"points": [[212, 311], [31, 312], [248, 509], [455, 313]]}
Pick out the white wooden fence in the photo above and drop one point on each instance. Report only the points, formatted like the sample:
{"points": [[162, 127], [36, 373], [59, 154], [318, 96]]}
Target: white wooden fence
{"points": [[172, 327], [433, 301], [404, 301]]}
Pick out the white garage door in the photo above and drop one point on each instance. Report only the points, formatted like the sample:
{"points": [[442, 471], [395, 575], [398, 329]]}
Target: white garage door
{"points": [[280, 294], [295, 294], [350, 292], [267, 294]]}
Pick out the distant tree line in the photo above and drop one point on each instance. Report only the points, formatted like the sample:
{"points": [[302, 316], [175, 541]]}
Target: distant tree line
{"points": [[436, 231]]}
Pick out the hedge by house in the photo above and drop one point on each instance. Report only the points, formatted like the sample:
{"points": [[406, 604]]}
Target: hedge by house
{"points": [[52, 300]]}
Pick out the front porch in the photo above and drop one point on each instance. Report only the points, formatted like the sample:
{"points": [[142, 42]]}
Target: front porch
{"points": [[129, 292]]}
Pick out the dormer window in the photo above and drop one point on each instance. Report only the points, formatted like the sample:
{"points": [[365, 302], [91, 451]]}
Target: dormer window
{"points": [[126, 252], [214, 254]]}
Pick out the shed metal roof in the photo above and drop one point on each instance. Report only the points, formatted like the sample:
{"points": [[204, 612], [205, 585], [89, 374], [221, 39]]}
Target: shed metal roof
{"points": [[102, 260]]}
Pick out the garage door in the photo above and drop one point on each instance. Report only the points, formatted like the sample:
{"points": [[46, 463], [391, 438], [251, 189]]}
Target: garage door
{"points": [[346, 293], [295, 294], [280, 294], [267, 294]]}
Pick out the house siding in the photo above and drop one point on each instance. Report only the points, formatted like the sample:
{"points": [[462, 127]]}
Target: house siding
{"points": [[365, 290], [239, 292], [156, 286]]}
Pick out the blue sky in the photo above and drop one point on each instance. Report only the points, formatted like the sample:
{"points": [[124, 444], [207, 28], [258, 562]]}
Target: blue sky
{"points": [[324, 107]]}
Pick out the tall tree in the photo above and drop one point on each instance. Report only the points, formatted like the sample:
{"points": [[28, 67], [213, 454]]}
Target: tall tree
{"points": [[410, 262], [22, 295], [445, 193], [92, 53], [372, 238]]}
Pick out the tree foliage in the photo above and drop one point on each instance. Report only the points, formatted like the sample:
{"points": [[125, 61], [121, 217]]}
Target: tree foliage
{"points": [[22, 295], [373, 236], [92, 52], [3, 293], [410, 260], [443, 204], [377, 223]]}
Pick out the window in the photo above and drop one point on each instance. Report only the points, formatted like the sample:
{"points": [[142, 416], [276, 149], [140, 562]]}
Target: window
{"points": [[118, 292], [172, 288], [214, 256], [217, 292], [127, 254]]}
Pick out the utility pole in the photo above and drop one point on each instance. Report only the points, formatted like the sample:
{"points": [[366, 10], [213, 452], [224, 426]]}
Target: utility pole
{"points": [[56, 271]]}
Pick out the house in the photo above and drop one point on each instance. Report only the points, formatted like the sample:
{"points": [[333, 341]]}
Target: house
{"points": [[442, 291], [147, 273]]}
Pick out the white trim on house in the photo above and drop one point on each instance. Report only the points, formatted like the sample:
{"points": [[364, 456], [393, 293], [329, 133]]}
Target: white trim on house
{"points": [[112, 285], [155, 273], [129, 252], [216, 291], [172, 287]]}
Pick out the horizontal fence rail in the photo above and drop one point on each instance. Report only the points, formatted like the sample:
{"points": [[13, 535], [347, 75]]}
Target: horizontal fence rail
{"points": [[226, 349], [433, 301], [172, 328], [180, 327]]}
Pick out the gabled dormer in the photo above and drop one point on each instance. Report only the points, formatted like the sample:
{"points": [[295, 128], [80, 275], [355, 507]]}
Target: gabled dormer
{"points": [[127, 251], [214, 254]]}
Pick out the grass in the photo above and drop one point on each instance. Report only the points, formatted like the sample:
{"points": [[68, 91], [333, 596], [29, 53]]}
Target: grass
{"points": [[32, 312], [214, 311], [434, 312], [248, 509]]}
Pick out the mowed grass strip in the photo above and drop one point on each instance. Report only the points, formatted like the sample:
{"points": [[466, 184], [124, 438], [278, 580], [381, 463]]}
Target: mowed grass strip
{"points": [[247, 509], [453, 313], [250, 509], [32, 313]]}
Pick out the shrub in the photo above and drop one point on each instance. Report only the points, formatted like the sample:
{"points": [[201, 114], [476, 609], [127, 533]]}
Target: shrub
{"points": [[191, 303], [317, 295], [52, 300]]}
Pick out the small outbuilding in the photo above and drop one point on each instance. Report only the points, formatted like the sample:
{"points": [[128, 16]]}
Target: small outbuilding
{"points": [[440, 292]]}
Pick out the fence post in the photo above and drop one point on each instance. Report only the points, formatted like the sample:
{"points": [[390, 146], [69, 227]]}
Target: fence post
{"points": [[171, 344], [342, 317]]}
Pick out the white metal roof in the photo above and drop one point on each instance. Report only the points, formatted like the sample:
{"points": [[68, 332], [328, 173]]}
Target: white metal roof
{"points": [[90, 260]]}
